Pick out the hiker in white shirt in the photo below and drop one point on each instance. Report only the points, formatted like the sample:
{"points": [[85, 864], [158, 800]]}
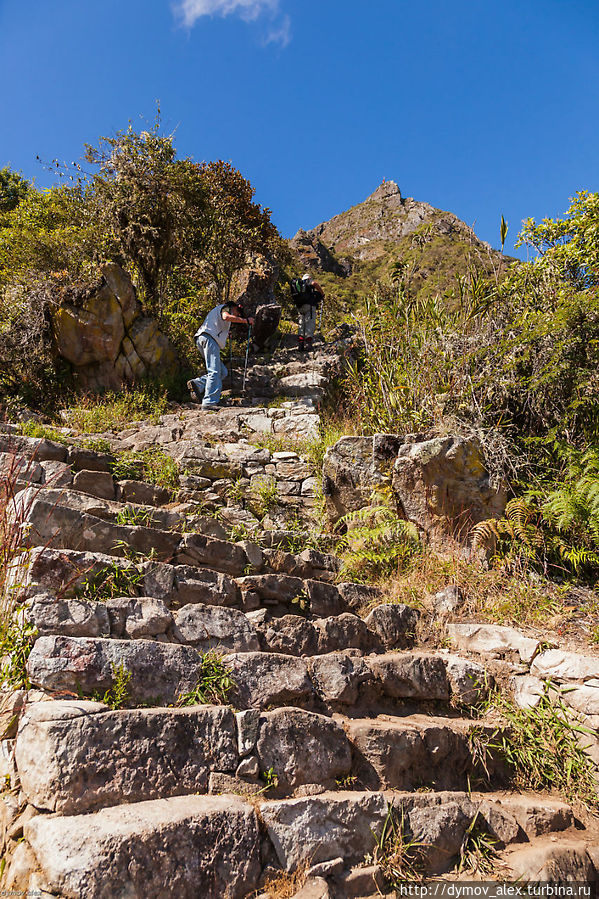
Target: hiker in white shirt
{"points": [[211, 338]]}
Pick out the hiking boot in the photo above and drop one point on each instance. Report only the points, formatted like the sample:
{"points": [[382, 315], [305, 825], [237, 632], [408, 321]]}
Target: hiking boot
{"points": [[194, 392], [210, 407]]}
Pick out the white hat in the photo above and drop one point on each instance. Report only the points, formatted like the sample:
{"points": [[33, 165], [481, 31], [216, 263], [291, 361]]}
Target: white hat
{"points": [[305, 277]]}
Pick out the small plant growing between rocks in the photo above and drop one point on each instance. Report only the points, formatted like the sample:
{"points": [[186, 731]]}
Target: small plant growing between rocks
{"points": [[110, 581], [215, 682], [270, 778], [16, 640], [545, 748], [45, 432], [116, 696], [477, 852], [152, 465], [132, 516], [264, 497], [399, 856], [96, 444]]}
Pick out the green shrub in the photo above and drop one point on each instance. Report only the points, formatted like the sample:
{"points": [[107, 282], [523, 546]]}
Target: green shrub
{"points": [[215, 682], [116, 411], [152, 465]]}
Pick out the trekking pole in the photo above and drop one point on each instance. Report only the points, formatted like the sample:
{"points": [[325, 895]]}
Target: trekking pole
{"points": [[247, 353], [231, 366]]}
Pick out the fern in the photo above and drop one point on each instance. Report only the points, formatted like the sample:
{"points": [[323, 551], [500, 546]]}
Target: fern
{"points": [[377, 541]]}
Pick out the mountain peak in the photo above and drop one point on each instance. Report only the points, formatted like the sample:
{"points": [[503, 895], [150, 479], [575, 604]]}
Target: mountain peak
{"points": [[385, 190]]}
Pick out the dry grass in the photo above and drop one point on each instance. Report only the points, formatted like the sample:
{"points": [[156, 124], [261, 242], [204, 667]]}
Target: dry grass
{"points": [[491, 595], [285, 885]]}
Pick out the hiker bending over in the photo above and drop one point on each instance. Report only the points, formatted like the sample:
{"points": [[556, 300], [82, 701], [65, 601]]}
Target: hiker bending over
{"points": [[211, 338], [307, 295]]}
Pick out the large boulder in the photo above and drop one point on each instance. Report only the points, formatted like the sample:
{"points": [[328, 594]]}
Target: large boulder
{"points": [[353, 468], [442, 485], [106, 337]]}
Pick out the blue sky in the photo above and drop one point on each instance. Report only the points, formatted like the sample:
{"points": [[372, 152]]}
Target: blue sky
{"points": [[475, 106]]}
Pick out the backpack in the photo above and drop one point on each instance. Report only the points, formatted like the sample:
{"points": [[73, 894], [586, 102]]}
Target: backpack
{"points": [[303, 292]]}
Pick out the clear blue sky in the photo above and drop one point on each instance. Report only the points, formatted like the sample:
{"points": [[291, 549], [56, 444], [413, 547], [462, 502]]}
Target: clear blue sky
{"points": [[476, 106]]}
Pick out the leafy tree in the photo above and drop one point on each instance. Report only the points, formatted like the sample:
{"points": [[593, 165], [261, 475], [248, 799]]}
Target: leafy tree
{"points": [[151, 205], [13, 188], [569, 247], [237, 227]]}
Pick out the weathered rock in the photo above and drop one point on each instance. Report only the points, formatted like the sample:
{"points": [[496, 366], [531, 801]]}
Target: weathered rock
{"points": [[97, 483], [394, 624], [527, 690], [199, 845], [206, 552], [353, 468], [492, 638], [56, 474], [555, 864], [215, 628], [565, 666], [302, 748], [339, 677], [70, 754], [205, 586], [107, 339], [138, 618], [51, 523], [357, 597], [537, 817], [159, 672], [38, 448], [344, 632], [291, 635], [68, 617], [443, 487], [404, 754], [263, 679], [410, 676], [143, 494], [440, 831], [325, 599], [274, 588], [81, 459], [320, 828], [248, 724], [469, 681]]}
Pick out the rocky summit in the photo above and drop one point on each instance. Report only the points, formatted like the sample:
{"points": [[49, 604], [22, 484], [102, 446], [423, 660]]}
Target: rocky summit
{"points": [[215, 712], [355, 248]]}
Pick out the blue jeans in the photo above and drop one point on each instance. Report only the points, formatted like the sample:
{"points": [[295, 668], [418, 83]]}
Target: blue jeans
{"points": [[210, 384]]}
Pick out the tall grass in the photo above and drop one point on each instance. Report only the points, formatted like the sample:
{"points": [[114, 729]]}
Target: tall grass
{"points": [[91, 415], [15, 632]]}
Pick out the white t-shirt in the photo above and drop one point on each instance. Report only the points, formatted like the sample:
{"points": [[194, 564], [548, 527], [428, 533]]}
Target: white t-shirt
{"points": [[215, 326]]}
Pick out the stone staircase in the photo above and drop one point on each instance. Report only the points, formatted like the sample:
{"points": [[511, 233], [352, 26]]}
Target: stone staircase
{"points": [[275, 719]]}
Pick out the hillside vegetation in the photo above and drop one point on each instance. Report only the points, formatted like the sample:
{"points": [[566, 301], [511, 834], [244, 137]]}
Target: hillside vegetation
{"points": [[450, 336]]}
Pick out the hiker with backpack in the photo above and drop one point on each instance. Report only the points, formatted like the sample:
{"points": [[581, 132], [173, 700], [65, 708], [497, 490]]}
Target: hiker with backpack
{"points": [[307, 295], [211, 338]]}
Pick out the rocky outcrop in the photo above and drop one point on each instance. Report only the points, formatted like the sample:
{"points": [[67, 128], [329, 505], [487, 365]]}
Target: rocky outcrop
{"points": [[443, 486], [440, 485], [353, 468], [106, 337], [313, 254]]}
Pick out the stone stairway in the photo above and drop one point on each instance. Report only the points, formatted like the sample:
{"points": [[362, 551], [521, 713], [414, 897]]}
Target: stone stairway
{"points": [[274, 719]]}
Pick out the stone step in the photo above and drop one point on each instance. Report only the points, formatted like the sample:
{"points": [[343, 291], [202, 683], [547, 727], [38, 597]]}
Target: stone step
{"points": [[319, 830], [338, 681], [63, 519], [187, 846], [218, 628], [210, 846], [69, 574], [69, 754]]}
